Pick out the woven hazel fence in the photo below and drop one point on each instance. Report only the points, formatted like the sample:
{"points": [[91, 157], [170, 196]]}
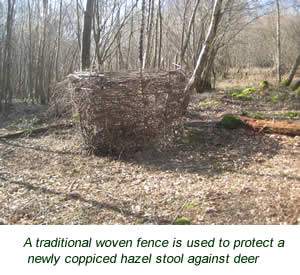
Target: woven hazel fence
{"points": [[121, 112]]}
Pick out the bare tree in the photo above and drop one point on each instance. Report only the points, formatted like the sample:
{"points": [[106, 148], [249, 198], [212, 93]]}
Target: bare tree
{"points": [[119, 61], [158, 37], [278, 42], [131, 35], [108, 25], [204, 55], [41, 41], [149, 35], [6, 92], [189, 31], [41, 87], [78, 25], [293, 71], [141, 46], [86, 35], [58, 42]]}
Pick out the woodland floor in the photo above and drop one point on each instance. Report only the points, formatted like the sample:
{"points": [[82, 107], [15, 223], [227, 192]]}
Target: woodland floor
{"points": [[211, 175]]}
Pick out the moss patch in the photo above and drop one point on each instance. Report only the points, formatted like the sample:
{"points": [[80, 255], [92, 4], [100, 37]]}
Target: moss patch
{"points": [[264, 85], [139, 221], [243, 97], [231, 122], [291, 114], [244, 94], [258, 116], [208, 102], [253, 115], [234, 91], [248, 91], [74, 170], [183, 221], [275, 99]]}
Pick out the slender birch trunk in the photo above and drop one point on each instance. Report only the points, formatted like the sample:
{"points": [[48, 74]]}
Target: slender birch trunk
{"points": [[293, 71], [278, 42], [204, 54]]}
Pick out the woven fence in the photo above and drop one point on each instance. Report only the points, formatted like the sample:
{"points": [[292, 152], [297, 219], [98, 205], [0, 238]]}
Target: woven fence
{"points": [[120, 112]]}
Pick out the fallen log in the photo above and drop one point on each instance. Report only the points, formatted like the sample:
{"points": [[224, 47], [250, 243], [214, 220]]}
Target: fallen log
{"points": [[272, 126], [35, 131]]}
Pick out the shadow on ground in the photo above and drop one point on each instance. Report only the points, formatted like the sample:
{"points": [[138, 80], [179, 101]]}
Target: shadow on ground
{"points": [[205, 149], [209, 150]]}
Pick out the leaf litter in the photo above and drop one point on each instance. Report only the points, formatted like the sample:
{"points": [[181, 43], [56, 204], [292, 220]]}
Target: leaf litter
{"points": [[212, 176]]}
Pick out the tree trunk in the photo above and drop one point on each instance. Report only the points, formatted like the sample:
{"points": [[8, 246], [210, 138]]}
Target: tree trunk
{"points": [[160, 34], [272, 126], [204, 82], [204, 54], [6, 93], [149, 35], [41, 86], [120, 61], [293, 71], [86, 35], [155, 42], [57, 78], [130, 39], [188, 35], [78, 30], [296, 85], [141, 46], [278, 43]]}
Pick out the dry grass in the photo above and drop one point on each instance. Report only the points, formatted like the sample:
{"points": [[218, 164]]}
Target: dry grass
{"points": [[250, 77]]}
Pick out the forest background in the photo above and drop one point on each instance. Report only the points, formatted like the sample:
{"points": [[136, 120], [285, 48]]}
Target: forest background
{"points": [[41, 41]]}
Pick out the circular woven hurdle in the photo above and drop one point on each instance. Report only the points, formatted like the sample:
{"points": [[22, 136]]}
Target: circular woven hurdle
{"points": [[121, 112]]}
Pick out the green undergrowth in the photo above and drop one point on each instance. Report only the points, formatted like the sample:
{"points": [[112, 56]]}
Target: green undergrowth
{"points": [[264, 93]]}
